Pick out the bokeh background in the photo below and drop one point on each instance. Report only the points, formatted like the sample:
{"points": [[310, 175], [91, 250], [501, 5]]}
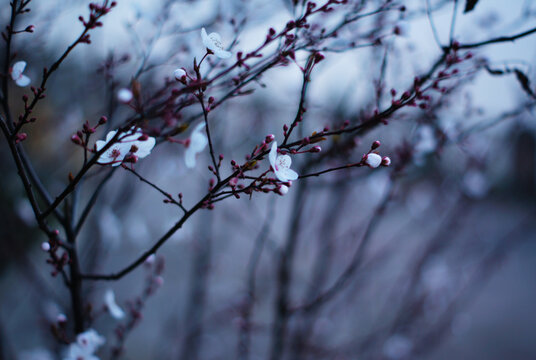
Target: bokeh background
{"points": [[450, 259]]}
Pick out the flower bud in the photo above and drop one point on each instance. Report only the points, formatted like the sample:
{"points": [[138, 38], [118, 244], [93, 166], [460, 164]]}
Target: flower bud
{"points": [[179, 74], [386, 161], [124, 95], [373, 160], [45, 246], [316, 149], [282, 190], [376, 144], [269, 138]]}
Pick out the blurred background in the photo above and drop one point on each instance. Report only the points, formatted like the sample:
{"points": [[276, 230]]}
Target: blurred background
{"points": [[431, 258]]}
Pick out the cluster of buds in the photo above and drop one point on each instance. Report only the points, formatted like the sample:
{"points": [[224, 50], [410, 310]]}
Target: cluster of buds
{"points": [[95, 12], [82, 136], [51, 247], [372, 159]]}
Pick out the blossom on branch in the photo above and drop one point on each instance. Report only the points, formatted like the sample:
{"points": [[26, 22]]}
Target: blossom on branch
{"points": [[111, 305], [195, 144], [135, 143], [85, 346], [124, 95], [179, 74], [17, 75], [373, 160], [213, 43], [281, 165]]}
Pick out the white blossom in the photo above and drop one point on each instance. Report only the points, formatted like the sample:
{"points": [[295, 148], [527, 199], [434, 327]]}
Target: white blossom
{"points": [[283, 190], [179, 73], [373, 160], [213, 42], [111, 305], [17, 75], [197, 142], [45, 246], [85, 346], [281, 165], [124, 95], [126, 143]]}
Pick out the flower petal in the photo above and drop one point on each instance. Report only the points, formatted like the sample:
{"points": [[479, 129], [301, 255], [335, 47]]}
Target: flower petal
{"points": [[189, 158], [204, 37], [373, 160], [198, 142], [110, 135], [222, 54], [17, 69], [111, 305], [286, 174], [23, 81], [273, 154], [283, 162], [145, 147]]}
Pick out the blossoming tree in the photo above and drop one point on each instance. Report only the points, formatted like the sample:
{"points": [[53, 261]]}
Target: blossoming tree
{"points": [[196, 107]]}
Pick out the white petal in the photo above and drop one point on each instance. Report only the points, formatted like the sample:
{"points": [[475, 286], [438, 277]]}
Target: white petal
{"points": [[113, 308], [99, 144], [17, 69], [145, 147], [179, 73], [222, 54], [273, 154], [89, 341], [283, 162], [110, 135], [286, 174], [373, 160], [214, 38], [198, 142], [189, 158], [204, 37], [283, 190], [125, 95], [198, 127], [23, 81]]}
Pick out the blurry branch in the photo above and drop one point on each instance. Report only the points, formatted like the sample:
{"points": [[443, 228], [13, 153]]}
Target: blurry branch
{"points": [[92, 200], [453, 23], [168, 196], [485, 269], [92, 23], [432, 25], [321, 265], [209, 138], [342, 281], [284, 276], [498, 40], [244, 336], [197, 292]]}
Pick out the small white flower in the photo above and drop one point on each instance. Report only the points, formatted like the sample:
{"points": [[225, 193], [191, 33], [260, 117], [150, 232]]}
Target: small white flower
{"points": [[111, 305], [281, 165], [85, 346], [197, 142], [179, 73], [124, 95], [45, 246], [17, 75], [117, 152], [76, 352], [373, 160], [213, 42]]}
